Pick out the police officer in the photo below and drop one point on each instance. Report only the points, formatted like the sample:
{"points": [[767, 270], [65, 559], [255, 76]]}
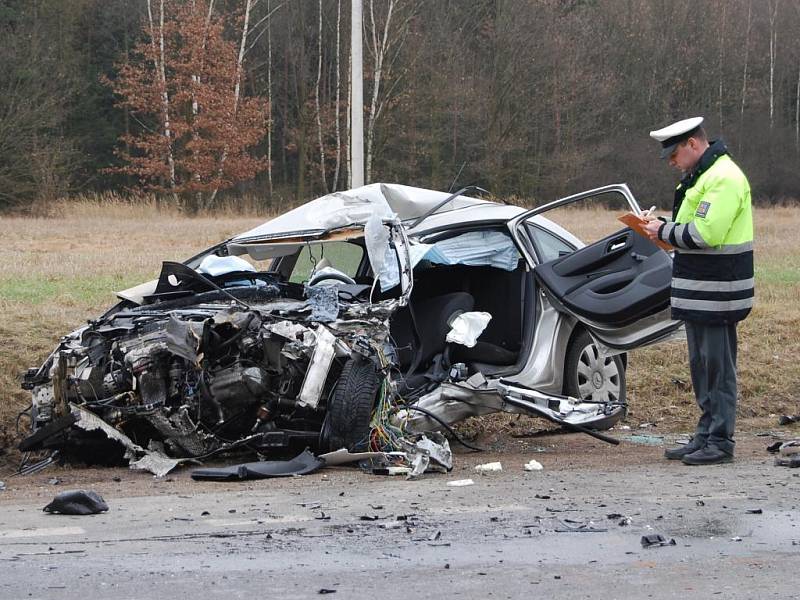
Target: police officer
{"points": [[712, 277]]}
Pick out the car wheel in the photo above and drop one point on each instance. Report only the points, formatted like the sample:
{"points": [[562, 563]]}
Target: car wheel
{"points": [[350, 409], [589, 376]]}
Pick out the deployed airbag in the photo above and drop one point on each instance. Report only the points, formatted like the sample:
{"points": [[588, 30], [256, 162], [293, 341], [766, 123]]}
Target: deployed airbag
{"points": [[475, 248]]}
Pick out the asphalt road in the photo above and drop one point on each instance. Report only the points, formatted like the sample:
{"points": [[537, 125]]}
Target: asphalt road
{"points": [[572, 530]]}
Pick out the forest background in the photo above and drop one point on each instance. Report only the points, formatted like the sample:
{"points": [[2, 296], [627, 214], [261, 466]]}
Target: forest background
{"points": [[532, 98]]}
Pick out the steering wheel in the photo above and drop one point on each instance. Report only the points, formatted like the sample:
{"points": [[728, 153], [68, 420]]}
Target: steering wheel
{"points": [[326, 275]]}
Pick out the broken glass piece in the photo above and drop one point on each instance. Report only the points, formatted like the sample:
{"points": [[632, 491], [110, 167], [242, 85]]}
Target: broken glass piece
{"points": [[324, 302]]}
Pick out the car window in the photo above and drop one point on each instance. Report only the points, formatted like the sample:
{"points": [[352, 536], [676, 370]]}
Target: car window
{"points": [[591, 218], [342, 256], [548, 246]]}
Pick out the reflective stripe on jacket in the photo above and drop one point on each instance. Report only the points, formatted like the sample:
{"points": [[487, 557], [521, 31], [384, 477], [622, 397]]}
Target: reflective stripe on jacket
{"points": [[712, 272]]}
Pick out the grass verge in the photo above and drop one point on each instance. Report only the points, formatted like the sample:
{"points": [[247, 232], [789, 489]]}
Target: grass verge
{"points": [[57, 272]]}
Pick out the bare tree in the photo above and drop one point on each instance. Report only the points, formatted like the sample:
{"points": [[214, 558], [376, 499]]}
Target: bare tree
{"points": [[162, 81], [744, 73], [269, 98], [385, 45], [237, 89], [323, 176], [338, 164], [773, 49], [721, 59], [188, 79], [37, 161]]}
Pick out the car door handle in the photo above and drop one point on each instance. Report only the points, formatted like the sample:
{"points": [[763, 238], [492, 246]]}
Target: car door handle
{"points": [[616, 246]]}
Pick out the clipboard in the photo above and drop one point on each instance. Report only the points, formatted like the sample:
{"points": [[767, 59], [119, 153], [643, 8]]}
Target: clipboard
{"points": [[637, 223]]}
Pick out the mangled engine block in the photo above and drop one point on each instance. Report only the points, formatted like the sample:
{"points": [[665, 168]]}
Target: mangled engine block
{"points": [[191, 382]]}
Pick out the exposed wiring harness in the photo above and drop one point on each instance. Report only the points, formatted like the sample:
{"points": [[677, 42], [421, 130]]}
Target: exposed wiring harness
{"points": [[384, 437]]}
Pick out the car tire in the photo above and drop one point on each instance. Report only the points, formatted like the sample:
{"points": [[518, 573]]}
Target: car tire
{"points": [[588, 376], [350, 409]]}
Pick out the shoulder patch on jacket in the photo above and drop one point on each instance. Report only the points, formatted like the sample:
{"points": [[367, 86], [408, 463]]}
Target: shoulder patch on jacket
{"points": [[702, 209]]}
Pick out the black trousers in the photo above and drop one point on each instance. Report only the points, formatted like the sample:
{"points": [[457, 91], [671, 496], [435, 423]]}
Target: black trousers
{"points": [[712, 361]]}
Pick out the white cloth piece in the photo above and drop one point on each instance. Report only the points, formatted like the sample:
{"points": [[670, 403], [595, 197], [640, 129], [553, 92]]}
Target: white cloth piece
{"points": [[467, 327]]}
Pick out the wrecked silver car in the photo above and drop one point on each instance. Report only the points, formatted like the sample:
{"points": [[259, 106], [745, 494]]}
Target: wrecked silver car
{"points": [[353, 321]]}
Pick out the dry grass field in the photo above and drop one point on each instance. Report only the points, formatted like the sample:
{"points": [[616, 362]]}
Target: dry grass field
{"points": [[56, 272]]}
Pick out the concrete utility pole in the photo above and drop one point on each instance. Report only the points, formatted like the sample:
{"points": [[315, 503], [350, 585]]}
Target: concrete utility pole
{"points": [[357, 98]]}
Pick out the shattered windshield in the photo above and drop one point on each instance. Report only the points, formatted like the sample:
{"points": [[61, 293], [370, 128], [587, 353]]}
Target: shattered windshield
{"points": [[344, 257]]}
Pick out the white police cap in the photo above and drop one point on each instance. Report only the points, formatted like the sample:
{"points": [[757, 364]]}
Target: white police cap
{"points": [[672, 135]]}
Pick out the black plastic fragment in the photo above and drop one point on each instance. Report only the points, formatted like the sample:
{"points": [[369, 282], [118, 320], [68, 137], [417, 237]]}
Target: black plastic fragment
{"points": [[302, 464], [77, 502], [36, 440], [774, 448], [656, 539]]}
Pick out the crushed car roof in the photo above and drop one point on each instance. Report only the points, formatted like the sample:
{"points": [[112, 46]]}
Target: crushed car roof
{"points": [[353, 207]]}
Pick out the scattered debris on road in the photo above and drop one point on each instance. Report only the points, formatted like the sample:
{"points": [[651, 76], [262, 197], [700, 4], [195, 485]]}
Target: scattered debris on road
{"points": [[488, 467], [460, 482], [302, 464], [572, 526], [533, 465], [655, 540], [788, 453], [77, 502]]}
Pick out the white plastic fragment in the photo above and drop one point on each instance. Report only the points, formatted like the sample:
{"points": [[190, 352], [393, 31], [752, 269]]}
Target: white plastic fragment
{"points": [[318, 368], [460, 482], [533, 465], [292, 331], [398, 470], [343, 457], [437, 447], [486, 467]]}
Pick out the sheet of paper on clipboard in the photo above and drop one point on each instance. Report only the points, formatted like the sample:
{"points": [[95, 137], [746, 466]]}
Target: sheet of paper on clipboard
{"points": [[637, 223]]}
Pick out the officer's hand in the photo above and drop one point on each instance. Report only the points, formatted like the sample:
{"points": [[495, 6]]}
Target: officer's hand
{"points": [[652, 227]]}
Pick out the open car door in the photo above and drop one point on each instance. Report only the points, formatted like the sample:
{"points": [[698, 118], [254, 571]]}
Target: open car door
{"points": [[617, 286]]}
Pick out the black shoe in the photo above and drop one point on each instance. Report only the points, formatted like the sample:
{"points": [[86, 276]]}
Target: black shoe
{"points": [[710, 455], [681, 451]]}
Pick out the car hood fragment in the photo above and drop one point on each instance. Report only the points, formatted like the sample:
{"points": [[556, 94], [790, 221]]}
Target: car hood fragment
{"points": [[139, 459]]}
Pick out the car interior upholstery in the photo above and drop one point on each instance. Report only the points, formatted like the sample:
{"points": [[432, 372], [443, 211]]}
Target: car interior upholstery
{"points": [[440, 294]]}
